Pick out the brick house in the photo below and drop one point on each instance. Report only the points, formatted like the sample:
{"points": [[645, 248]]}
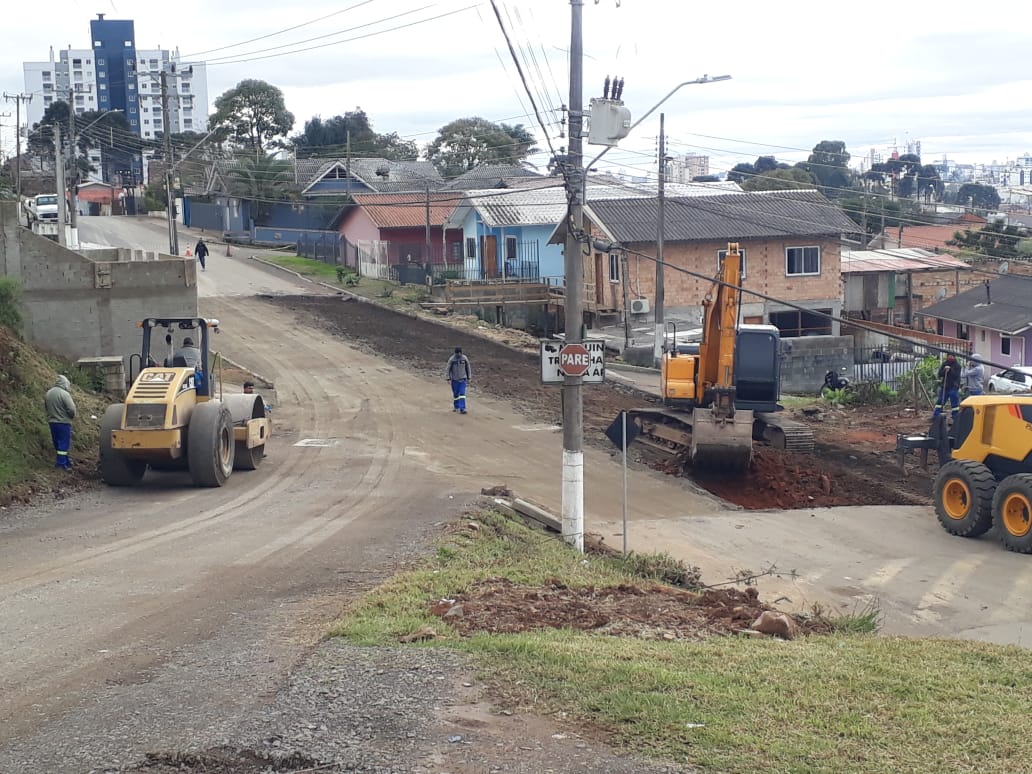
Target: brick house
{"points": [[791, 244]]}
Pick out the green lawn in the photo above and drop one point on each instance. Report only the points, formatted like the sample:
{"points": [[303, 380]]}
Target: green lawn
{"points": [[837, 703]]}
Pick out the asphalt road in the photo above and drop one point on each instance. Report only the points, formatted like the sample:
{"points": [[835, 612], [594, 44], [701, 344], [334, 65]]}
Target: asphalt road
{"points": [[106, 595]]}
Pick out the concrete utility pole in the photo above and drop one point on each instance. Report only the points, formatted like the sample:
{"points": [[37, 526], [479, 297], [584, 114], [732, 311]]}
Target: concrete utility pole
{"points": [[429, 259], [657, 345], [17, 99], [573, 265], [62, 187], [73, 232], [173, 233]]}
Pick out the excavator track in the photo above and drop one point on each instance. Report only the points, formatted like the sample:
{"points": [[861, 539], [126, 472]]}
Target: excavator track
{"points": [[782, 433]]}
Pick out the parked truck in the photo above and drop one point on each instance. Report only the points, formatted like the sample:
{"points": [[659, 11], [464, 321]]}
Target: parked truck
{"points": [[41, 212]]}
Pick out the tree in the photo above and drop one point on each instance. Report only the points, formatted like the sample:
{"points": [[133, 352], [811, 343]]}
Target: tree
{"points": [[978, 196], [829, 165], [741, 172], [330, 138], [263, 180], [994, 240], [876, 211], [469, 142], [780, 180], [254, 115]]}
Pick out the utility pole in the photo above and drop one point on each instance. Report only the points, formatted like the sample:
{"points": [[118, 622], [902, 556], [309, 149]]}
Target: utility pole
{"points": [[62, 186], [17, 99], [573, 265], [428, 258], [657, 345], [73, 238], [173, 234]]}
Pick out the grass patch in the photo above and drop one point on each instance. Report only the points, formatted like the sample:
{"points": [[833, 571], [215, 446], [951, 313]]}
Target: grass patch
{"points": [[306, 267], [839, 703]]}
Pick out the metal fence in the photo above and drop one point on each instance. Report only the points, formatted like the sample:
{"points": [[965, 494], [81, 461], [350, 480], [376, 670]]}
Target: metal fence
{"points": [[468, 271], [326, 246], [885, 365]]}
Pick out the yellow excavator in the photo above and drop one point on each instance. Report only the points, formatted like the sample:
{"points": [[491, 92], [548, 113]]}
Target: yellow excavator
{"points": [[174, 417], [721, 394]]}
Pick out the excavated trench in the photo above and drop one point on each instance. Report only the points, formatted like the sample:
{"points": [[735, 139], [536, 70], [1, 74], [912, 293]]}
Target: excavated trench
{"points": [[837, 474]]}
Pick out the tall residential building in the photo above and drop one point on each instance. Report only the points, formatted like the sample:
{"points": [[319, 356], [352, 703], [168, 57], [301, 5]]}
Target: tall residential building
{"points": [[684, 169], [115, 75]]}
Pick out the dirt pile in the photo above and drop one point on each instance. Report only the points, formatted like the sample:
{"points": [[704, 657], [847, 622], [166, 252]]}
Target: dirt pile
{"points": [[657, 612]]}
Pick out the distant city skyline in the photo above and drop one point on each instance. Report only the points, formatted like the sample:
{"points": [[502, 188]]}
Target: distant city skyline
{"points": [[414, 68]]}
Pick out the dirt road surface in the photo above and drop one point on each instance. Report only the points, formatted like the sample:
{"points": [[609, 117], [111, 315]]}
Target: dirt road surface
{"points": [[171, 618]]}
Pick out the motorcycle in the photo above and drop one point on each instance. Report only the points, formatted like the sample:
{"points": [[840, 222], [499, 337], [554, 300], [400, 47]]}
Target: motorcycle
{"points": [[834, 381]]}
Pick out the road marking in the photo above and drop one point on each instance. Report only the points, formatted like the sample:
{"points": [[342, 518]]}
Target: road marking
{"points": [[887, 572], [950, 580], [318, 442]]}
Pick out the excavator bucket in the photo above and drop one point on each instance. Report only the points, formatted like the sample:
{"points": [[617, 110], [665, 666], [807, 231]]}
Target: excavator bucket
{"points": [[721, 442]]}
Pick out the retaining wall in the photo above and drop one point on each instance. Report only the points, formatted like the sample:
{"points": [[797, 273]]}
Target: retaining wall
{"points": [[87, 304]]}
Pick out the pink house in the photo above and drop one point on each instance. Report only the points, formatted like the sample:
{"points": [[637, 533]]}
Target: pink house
{"points": [[398, 228]]}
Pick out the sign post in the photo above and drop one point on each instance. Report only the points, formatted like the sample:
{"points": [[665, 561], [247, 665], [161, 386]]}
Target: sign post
{"points": [[586, 359]]}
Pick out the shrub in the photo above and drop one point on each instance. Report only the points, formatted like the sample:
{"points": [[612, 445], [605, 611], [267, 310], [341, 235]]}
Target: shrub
{"points": [[10, 309]]}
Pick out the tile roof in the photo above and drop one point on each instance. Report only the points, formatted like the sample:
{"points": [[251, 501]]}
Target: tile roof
{"points": [[904, 259], [1010, 311], [723, 217], [401, 210]]}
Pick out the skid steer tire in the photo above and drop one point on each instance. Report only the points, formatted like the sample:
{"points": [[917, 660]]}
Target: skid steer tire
{"points": [[1012, 512], [210, 444], [115, 468], [248, 459], [963, 495]]}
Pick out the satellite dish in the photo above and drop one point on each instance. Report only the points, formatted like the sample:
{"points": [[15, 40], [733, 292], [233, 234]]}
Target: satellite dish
{"points": [[1004, 267], [940, 294]]}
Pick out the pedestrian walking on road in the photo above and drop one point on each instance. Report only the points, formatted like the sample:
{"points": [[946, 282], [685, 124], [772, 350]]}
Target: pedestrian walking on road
{"points": [[973, 376], [949, 387], [201, 251], [60, 410], [459, 374]]}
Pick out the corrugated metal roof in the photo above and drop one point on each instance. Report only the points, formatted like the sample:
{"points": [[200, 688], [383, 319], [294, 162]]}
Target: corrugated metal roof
{"points": [[723, 217], [1010, 311], [401, 175], [489, 174], [401, 210], [905, 259], [547, 205]]}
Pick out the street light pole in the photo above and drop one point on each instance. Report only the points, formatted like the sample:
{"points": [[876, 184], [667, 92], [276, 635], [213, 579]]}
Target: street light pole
{"points": [[657, 344], [73, 232], [573, 265]]}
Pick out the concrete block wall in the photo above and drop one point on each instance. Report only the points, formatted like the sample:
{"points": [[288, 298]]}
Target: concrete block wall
{"points": [[805, 360], [77, 306]]}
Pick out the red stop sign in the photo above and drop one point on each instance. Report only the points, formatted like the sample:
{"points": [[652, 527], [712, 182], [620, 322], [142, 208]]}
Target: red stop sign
{"points": [[574, 360]]}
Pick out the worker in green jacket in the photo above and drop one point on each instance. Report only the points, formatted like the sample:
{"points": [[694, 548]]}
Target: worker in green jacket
{"points": [[60, 412]]}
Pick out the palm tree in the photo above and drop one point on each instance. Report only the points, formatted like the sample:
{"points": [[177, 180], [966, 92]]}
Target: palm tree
{"points": [[262, 180]]}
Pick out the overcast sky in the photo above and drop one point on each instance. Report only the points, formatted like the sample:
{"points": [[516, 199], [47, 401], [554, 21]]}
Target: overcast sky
{"points": [[956, 77]]}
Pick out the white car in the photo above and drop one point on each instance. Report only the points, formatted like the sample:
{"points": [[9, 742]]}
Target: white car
{"points": [[1017, 379]]}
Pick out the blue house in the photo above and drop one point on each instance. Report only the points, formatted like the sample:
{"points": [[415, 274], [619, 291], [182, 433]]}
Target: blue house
{"points": [[505, 232]]}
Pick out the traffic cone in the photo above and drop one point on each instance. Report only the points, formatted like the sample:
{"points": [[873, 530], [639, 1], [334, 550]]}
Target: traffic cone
{"points": [[227, 249], [188, 253]]}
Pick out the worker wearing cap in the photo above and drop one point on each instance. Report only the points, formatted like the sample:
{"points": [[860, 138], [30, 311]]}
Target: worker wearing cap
{"points": [[190, 354], [973, 376], [949, 386]]}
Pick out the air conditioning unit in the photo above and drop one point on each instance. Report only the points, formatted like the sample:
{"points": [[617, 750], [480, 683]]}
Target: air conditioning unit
{"points": [[639, 306]]}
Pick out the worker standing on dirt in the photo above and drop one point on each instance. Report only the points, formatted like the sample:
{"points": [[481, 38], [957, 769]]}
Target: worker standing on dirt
{"points": [[949, 386], [973, 377], [459, 374], [60, 410]]}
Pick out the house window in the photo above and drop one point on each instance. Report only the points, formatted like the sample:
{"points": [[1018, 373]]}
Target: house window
{"points": [[510, 248], [722, 253], [802, 261], [1005, 345], [614, 267], [963, 332], [471, 247]]}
